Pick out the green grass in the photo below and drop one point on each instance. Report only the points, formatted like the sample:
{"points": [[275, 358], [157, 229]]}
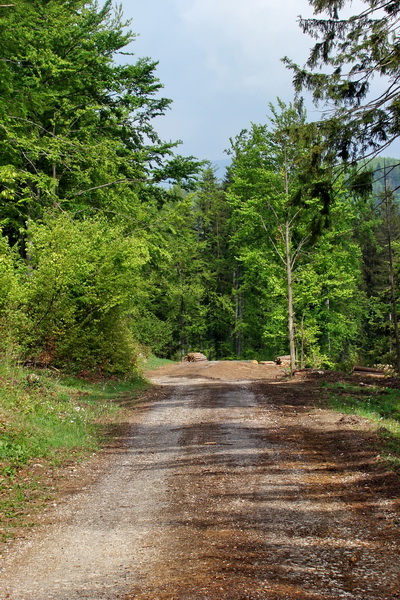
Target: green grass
{"points": [[51, 420], [153, 362], [379, 405]]}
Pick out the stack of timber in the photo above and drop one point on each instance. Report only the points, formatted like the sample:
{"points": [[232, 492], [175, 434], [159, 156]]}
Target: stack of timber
{"points": [[369, 370], [283, 360], [194, 357]]}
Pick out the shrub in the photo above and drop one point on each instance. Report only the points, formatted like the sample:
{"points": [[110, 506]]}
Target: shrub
{"points": [[77, 290]]}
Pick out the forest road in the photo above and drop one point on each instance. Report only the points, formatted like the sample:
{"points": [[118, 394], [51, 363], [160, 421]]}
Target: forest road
{"points": [[229, 484]]}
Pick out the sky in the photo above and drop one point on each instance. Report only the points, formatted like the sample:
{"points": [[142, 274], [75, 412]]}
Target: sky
{"points": [[220, 63]]}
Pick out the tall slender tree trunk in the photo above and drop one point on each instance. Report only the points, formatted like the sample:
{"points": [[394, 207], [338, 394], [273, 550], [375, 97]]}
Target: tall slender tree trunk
{"points": [[393, 295], [182, 339], [289, 274], [238, 312], [302, 343]]}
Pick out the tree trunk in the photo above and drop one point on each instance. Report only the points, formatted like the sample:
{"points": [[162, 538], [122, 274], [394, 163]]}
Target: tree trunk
{"points": [[289, 274], [238, 312], [302, 343]]}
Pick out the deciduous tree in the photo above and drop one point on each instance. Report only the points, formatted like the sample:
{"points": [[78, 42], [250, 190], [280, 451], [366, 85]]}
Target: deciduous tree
{"points": [[76, 127], [292, 270]]}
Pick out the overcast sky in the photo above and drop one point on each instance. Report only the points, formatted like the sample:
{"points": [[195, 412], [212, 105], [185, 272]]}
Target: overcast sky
{"points": [[219, 61]]}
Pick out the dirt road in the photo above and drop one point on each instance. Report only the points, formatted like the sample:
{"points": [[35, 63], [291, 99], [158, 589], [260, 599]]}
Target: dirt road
{"points": [[228, 485]]}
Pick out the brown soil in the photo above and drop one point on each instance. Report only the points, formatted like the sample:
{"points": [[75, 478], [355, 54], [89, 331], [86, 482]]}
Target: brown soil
{"points": [[230, 483]]}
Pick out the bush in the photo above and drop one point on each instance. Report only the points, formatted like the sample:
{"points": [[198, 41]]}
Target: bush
{"points": [[76, 293]]}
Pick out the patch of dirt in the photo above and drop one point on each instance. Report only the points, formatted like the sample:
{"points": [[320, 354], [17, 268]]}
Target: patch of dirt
{"points": [[232, 370], [230, 482]]}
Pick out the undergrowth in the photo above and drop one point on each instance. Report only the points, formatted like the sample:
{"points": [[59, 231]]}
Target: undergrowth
{"points": [[46, 421], [379, 405]]}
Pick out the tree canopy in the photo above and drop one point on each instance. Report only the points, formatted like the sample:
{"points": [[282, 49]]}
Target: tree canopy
{"points": [[76, 125], [298, 288], [81, 205]]}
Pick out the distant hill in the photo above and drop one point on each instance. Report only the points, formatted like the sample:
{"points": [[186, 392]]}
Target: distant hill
{"points": [[386, 170], [383, 167]]}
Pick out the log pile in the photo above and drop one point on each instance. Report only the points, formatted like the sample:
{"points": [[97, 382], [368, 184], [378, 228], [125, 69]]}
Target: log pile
{"points": [[369, 370], [194, 357], [283, 360]]}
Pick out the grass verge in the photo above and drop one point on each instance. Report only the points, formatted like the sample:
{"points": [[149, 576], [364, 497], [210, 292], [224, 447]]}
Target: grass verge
{"points": [[46, 422], [153, 362], [376, 403]]}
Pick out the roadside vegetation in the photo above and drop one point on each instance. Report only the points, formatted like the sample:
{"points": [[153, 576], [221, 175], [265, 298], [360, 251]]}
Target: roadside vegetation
{"points": [[380, 405], [46, 422], [154, 362]]}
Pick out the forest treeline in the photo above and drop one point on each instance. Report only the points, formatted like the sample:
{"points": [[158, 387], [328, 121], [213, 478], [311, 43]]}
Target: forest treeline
{"points": [[113, 245]]}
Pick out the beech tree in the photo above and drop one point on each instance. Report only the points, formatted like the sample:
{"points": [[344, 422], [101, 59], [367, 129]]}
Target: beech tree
{"points": [[80, 168], [293, 269], [267, 169], [76, 127], [360, 119]]}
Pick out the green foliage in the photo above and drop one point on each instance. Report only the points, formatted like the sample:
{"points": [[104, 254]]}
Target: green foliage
{"points": [[352, 52], [8, 278], [212, 215], [154, 362], [378, 232], [386, 175], [80, 164], [83, 142], [379, 405], [76, 296], [186, 302], [276, 218]]}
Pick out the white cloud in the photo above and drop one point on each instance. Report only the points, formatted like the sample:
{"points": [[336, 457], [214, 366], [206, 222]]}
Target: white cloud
{"points": [[220, 62], [241, 43]]}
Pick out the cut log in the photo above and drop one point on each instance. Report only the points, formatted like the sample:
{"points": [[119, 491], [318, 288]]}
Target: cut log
{"points": [[368, 370], [283, 360], [195, 357]]}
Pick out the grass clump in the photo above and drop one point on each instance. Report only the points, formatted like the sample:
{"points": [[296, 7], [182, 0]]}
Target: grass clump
{"points": [[47, 420], [376, 403]]}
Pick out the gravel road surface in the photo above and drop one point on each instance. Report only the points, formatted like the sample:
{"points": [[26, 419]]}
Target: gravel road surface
{"points": [[229, 485]]}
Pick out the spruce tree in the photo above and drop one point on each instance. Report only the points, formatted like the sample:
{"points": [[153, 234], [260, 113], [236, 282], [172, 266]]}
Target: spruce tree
{"points": [[360, 120]]}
